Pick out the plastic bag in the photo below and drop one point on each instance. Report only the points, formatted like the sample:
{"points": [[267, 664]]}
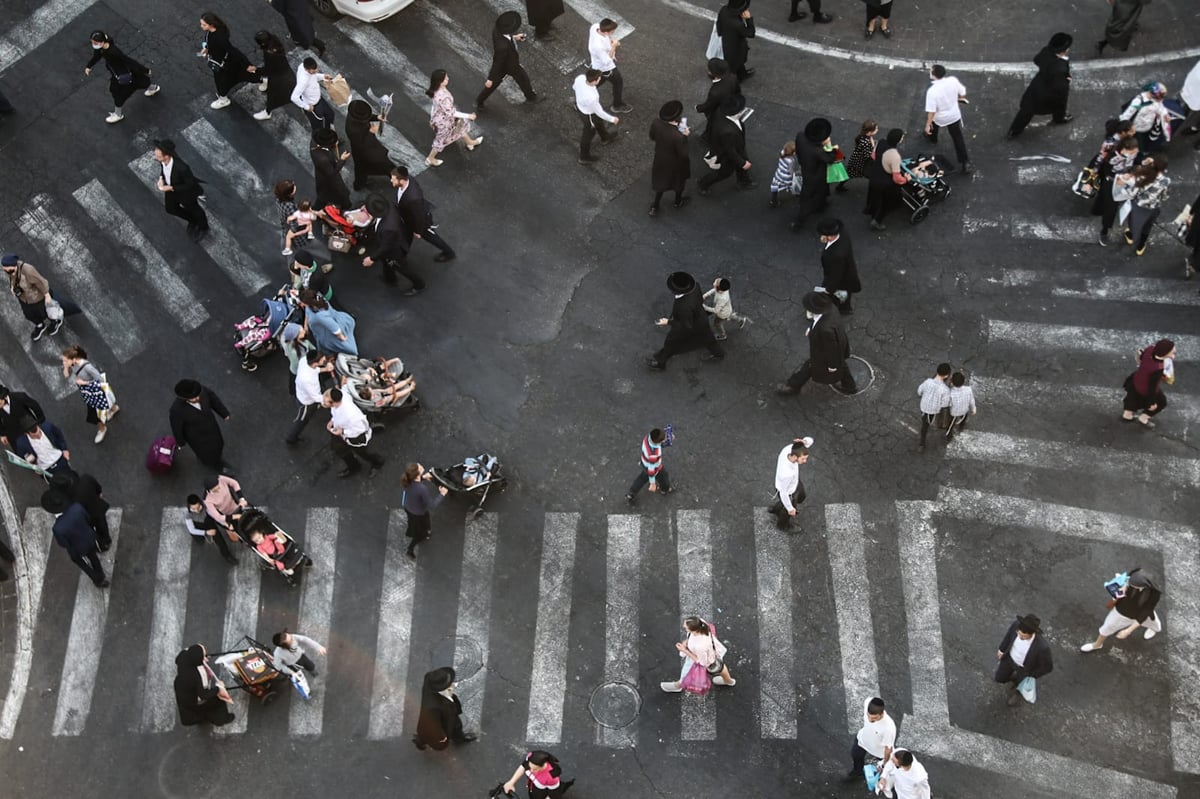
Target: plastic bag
{"points": [[54, 310], [339, 91], [715, 48], [697, 680], [1028, 689], [871, 773]]}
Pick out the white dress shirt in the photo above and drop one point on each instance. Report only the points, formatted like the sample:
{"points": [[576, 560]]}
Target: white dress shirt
{"points": [[308, 384], [1019, 649], [600, 47], [587, 99], [308, 88], [166, 170], [942, 99], [350, 419], [910, 783], [876, 736], [45, 453], [787, 477]]}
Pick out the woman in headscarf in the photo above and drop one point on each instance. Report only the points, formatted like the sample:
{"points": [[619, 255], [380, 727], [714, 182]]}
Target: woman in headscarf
{"points": [[328, 160], [1143, 388], [1121, 24], [883, 192], [201, 697], [330, 330], [370, 156], [279, 79]]}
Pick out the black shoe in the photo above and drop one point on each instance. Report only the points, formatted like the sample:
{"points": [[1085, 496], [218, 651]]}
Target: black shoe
{"points": [[747, 185], [412, 554], [442, 257], [887, 32], [796, 16], [653, 364], [821, 19], [55, 326], [629, 498], [104, 547], [854, 775], [412, 292], [37, 332], [321, 50], [348, 471], [784, 390], [841, 187], [588, 159], [610, 139], [921, 447], [375, 467], [1100, 45], [103, 583], [200, 234], [682, 202], [536, 98]]}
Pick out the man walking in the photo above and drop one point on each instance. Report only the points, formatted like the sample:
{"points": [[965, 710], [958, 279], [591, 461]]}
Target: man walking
{"points": [[787, 481], [723, 86], [592, 114], [15, 408], [351, 434], [45, 446], [942, 100], [417, 213], [876, 738], [193, 417], [308, 98], [735, 26], [828, 349], [181, 189], [389, 245], [652, 472], [297, 14], [73, 532], [1023, 652], [813, 161], [86, 490], [506, 60], [1050, 88], [687, 326], [839, 271], [309, 396], [934, 394], [728, 144], [904, 777], [440, 718], [602, 47]]}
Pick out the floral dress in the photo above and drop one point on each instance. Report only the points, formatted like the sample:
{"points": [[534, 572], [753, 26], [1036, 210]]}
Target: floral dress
{"points": [[448, 125]]}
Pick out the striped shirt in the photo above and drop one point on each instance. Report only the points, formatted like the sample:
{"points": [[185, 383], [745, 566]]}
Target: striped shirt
{"points": [[652, 456], [934, 395], [962, 401]]}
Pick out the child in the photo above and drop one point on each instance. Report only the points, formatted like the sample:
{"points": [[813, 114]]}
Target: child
{"points": [[785, 174], [962, 402], [935, 398], [274, 546], [722, 308], [864, 150], [836, 173], [201, 526], [293, 649], [300, 226]]}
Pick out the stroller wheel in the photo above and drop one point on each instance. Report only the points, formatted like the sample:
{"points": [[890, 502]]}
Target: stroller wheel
{"points": [[307, 562], [919, 214], [249, 366], [269, 697], [475, 513]]}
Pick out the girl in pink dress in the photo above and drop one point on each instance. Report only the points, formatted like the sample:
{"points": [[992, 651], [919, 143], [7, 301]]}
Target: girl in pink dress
{"points": [[448, 123]]}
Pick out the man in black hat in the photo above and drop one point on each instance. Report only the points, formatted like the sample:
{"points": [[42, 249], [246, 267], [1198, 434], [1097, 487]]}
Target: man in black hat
{"points": [[723, 85], [839, 272], [1050, 88], [506, 60], [388, 245], [181, 189], [813, 161], [828, 348], [735, 26], [688, 326], [729, 146], [193, 418], [1023, 652], [73, 531], [417, 213], [86, 490], [671, 167], [16, 407], [440, 719]]}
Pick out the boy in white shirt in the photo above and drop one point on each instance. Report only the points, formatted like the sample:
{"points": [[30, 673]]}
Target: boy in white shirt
{"points": [[721, 309], [942, 99], [904, 777], [877, 738], [935, 397], [587, 103], [962, 403], [602, 50]]}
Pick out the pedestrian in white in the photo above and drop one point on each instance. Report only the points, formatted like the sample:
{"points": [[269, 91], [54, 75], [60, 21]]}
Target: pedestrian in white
{"points": [[602, 48], [962, 403], [294, 649], [702, 647], [942, 99], [308, 391], [592, 114], [935, 398], [877, 738], [787, 481], [904, 777], [1190, 94], [307, 95], [721, 310]]}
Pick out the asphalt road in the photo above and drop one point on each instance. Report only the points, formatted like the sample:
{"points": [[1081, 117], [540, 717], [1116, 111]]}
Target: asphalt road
{"points": [[560, 605]]}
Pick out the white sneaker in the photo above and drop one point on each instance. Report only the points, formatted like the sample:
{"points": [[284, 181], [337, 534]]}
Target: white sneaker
{"points": [[114, 117], [671, 687], [264, 114], [153, 90], [1150, 633], [100, 434], [262, 86], [220, 102], [1090, 648], [286, 251], [719, 680]]}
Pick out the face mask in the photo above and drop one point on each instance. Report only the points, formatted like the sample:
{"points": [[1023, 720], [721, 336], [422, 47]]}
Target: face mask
{"points": [[97, 46]]}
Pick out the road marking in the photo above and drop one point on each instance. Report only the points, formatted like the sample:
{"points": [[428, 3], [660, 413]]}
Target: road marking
{"points": [[393, 641], [139, 254], [1076, 230], [622, 558], [213, 148], [39, 27], [698, 714], [1047, 175], [1094, 340], [986, 67], [241, 619], [316, 608], [166, 621], [1155, 290], [918, 570], [31, 545], [1099, 399], [283, 127], [475, 609], [221, 246], [44, 358], [776, 649], [548, 681], [389, 60], [468, 48], [85, 642], [852, 602]]}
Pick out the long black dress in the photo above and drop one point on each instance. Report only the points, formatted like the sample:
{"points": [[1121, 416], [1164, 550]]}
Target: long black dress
{"points": [[327, 171], [229, 64], [198, 703], [672, 167], [281, 78], [369, 154]]}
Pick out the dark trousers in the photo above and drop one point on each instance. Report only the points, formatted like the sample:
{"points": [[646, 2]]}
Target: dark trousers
{"points": [[1141, 224], [91, 566], [674, 345], [303, 414], [519, 75], [321, 116], [103, 535], [393, 267], [742, 175], [1008, 671], [780, 512], [430, 235], [662, 479], [5, 106], [813, 5], [593, 126], [882, 198], [658, 195], [188, 209], [350, 455], [220, 538], [305, 662], [858, 757], [1024, 117], [802, 375], [618, 83], [927, 419], [419, 529], [956, 135]]}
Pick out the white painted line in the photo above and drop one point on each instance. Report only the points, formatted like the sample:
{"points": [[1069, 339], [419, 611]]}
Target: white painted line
{"points": [[139, 254], [776, 647], [1021, 69], [214, 148], [593, 12], [918, 570], [548, 681], [85, 642], [394, 639], [238, 265], [698, 714], [1133, 289], [390, 61], [1098, 399], [166, 622], [475, 610], [622, 603], [1095, 340], [31, 546], [1062, 175], [241, 618], [44, 357], [976, 224], [36, 29], [477, 54], [852, 602], [316, 609], [569, 50], [295, 136], [1075, 230]]}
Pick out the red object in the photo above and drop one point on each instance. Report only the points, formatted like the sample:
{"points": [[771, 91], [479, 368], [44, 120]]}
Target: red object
{"points": [[161, 456], [838, 155], [697, 680]]}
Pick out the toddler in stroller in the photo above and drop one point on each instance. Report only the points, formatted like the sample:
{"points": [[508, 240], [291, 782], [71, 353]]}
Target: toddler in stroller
{"points": [[378, 385], [257, 335], [344, 229], [476, 476], [926, 184], [276, 549]]}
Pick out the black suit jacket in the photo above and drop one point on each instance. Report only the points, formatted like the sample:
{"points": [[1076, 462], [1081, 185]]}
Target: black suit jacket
{"points": [[185, 184], [1038, 661], [837, 264], [814, 163], [439, 718], [390, 241], [735, 34], [688, 319], [729, 142], [505, 58], [414, 209], [198, 428], [21, 407], [828, 347], [718, 91]]}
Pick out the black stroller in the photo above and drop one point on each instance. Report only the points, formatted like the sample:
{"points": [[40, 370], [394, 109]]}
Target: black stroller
{"points": [[474, 477], [288, 557]]}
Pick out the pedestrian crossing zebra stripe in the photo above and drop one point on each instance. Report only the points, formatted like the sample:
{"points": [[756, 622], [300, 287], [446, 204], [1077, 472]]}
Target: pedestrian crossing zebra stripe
{"points": [[392, 642], [622, 600], [171, 572], [389, 60], [777, 700], [1098, 399], [852, 601], [475, 610], [548, 680], [1131, 289], [32, 549], [316, 609], [36, 29], [40, 354], [1041, 337], [241, 618], [236, 171], [470, 49], [693, 533]]}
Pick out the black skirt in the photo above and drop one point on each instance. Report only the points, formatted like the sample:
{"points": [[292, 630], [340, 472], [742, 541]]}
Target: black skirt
{"points": [[419, 527]]}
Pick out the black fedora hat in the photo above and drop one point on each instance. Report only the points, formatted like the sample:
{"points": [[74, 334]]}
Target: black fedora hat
{"points": [[440, 679], [671, 111], [359, 110], [508, 23], [818, 129], [817, 302], [55, 501], [1060, 42], [717, 67], [326, 137], [680, 282]]}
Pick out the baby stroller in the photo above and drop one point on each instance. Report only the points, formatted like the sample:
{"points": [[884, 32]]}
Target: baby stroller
{"points": [[258, 336], [926, 184], [250, 667], [475, 477], [378, 385], [290, 557], [344, 229]]}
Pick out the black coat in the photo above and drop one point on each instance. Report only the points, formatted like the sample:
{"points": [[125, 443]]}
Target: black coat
{"points": [[735, 34], [390, 240], [440, 718], [281, 78], [198, 428], [74, 532], [369, 154], [671, 167], [297, 15], [20, 407], [728, 141], [828, 347], [415, 211], [542, 12], [813, 162], [1051, 86], [1193, 235], [186, 186], [505, 58], [718, 91], [197, 704], [840, 273], [1038, 661], [88, 493], [327, 173], [117, 62], [688, 321]]}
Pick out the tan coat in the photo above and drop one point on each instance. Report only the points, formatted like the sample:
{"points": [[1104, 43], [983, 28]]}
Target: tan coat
{"points": [[33, 287]]}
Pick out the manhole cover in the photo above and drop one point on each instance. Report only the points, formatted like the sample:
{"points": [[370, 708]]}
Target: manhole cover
{"points": [[462, 652], [863, 372], [615, 704]]}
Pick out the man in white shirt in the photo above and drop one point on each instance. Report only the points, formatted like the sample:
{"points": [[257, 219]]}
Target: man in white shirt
{"points": [[308, 391], [877, 738], [602, 47], [787, 481], [1023, 652], [904, 777], [351, 433], [587, 103], [942, 99], [307, 95]]}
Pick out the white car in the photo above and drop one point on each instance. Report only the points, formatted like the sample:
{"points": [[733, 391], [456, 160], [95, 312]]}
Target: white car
{"points": [[365, 10]]}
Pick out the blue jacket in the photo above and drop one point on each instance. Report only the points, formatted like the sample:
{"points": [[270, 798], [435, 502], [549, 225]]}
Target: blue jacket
{"points": [[73, 531], [51, 431]]}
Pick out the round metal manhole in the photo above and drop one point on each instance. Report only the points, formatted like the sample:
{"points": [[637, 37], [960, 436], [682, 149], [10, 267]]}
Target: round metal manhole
{"points": [[461, 652], [863, 372], [615, 704]]}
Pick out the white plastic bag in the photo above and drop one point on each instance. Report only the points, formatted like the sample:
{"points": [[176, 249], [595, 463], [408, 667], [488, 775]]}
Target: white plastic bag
{"points": [[715, 49], [54, 311], [1028, 689]]}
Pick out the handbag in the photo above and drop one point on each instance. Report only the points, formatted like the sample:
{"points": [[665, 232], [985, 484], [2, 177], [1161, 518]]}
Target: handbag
{"points": [[715, 48], [1028, 689], [125, 78], [718, 664], [339, 242], [215, 65], [697, 681], [1085, 184]]}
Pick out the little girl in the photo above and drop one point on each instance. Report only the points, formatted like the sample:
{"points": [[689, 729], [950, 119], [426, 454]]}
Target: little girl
{"points": [[785, 178], [864, 150], [836, 173], [300, 226]]}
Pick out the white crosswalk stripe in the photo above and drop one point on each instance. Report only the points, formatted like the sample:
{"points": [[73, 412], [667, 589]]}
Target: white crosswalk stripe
{"points": [[1041, 337], [34, 553], [241, 619], [852, 603], [235, 170], [166, 621], [476, 53], [41, 354], [698, 715], [393, 642], [548, 682], [36, 29], [390, 60], [316, 608], [776, 647], [1065, 229], [1043, 395], [622, 595], [473, 635]]}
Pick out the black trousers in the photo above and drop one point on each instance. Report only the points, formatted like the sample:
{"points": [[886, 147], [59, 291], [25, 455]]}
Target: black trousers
{"points": [[392, 267], [674, 345], [188, 209], [350, 455], [220, 538], [91, 566], [321, 116], [1024, 117], [123, 91], [103, 535], [519, 75], [742, 175], [305, 662], [662, 479], [813, 5], [798, 497], [303, 414], [593, 126], [430, 235], [956, 135], [618, 83], [882, 198], [1008, 671], [802, 375], [858, 756]]}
